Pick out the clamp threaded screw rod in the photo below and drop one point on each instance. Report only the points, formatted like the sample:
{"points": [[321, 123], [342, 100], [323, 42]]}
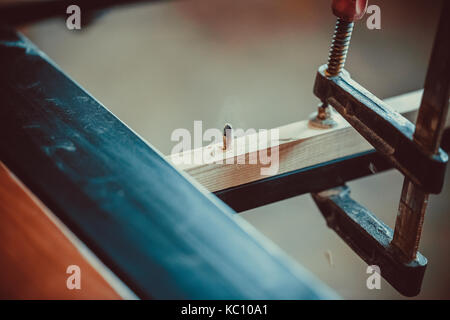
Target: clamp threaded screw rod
{"points": [[339, 47], [347, 11]]}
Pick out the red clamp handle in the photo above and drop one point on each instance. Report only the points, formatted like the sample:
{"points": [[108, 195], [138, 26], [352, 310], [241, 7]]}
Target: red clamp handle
{"points": [[349, 10]]}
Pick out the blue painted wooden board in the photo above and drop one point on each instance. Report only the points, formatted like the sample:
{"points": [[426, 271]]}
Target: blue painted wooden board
{"points": [[164, 237]]}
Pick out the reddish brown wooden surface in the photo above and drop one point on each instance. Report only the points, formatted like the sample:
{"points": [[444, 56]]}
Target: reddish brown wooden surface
{"points": [[35, 253]]}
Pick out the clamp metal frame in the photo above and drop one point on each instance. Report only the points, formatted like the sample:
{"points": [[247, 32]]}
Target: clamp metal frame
{"points": [[411, 149]]}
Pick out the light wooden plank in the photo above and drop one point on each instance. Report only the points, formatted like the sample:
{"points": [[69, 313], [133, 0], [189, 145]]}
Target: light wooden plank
{"points": [[299, 147]]}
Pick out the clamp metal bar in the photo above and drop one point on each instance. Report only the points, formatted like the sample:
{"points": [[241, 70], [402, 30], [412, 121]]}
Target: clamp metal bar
{"points": [[428, 134]]}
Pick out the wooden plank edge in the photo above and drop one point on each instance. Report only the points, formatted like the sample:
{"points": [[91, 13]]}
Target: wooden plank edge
{"points": [[46, 217]]}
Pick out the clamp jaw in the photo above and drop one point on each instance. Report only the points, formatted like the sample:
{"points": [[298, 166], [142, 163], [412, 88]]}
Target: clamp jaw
{"points": [[371, 239], [386, 130]]}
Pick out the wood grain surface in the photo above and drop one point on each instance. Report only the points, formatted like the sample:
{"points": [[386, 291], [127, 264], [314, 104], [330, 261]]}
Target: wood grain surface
{"points": [[35, 252]]}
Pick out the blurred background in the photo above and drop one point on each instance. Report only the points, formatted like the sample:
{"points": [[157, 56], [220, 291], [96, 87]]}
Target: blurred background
{"points": [[252, 63]]}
